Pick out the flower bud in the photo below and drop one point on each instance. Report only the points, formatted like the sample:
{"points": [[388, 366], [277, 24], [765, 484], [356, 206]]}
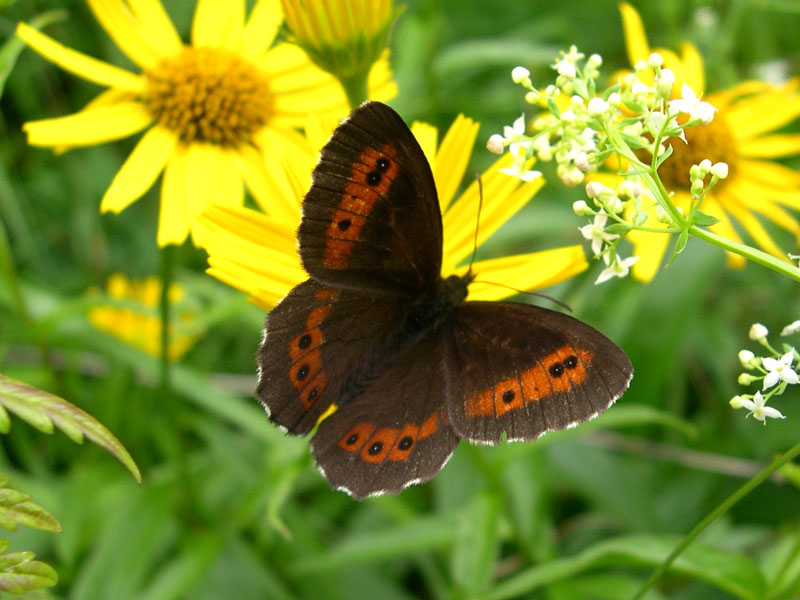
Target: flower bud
{"points": [[496, 144], [581, 208], [736, 402], [520, 74], [746, 358], [747, 378], [720, 169], [758, 332]]}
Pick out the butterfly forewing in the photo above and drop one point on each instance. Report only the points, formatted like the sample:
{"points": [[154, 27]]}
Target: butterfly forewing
{"points": [[371, 218], [519, 371]]}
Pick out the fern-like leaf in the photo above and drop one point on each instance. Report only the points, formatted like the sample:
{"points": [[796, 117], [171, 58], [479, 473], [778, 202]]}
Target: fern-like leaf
{"points": [[17, 509], [43, 411], [19, 573]]}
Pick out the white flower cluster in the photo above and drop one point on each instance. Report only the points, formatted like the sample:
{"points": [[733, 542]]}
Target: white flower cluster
{"points": [[581, 128], [776, 372]]}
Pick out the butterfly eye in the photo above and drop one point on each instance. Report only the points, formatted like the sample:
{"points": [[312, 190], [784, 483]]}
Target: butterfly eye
{"points": [[571, 362], [373, 178], [382, 164], [556, 370]]}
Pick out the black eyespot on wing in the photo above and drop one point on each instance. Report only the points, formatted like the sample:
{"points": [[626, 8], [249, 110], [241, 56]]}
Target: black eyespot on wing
{"points": [[556, 370], [508, 396], [374, 178], [375, 448], [406, 443]]}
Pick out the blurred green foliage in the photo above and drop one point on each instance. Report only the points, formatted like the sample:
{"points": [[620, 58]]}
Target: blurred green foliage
{"points": [[231, 508]]}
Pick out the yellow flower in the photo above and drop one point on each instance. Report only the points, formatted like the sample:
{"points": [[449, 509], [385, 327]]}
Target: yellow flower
{"points": [[131, 314], [740, 135], [341, 36], [257, 253], [211, 109]]}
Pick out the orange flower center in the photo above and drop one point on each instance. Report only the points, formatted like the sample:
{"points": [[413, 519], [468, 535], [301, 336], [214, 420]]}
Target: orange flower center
{"points": [[713, 141], [209, 95]]}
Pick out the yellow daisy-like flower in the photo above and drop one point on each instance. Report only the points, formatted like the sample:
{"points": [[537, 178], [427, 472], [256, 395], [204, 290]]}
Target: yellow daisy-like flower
{"points": [[257, 253], [132, 315], [741, 135], [211, 109]]}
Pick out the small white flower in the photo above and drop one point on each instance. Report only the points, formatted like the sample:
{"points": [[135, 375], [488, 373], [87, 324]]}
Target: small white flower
{"points": [[691, 104], [518, 128], [519, 74], [495, 144], [595, 188], [758, 410], [655, 60], [791, 328], [640, 65], [737, 402], [525, 175], [746, 358], [619, 268], [614, 99], [566, 68], [640, 89], [720, 169], [597, 106], [579, 207], [779, 369], [594, 60], [582, 162], [758, 332], [572, 177], [595, 232]]}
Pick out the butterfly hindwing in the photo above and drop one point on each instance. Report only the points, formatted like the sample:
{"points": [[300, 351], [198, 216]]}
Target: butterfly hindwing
{"points": [[371, 217], [318, 340], [395, 432], [523, 370]]}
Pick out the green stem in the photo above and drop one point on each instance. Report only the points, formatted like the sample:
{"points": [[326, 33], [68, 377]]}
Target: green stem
{"points": [[165, 311], [355, 87], [715, 514], [753, 254]]}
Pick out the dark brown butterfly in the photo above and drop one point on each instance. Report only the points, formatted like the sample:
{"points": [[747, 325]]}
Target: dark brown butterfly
{"points": [[379, 335]]}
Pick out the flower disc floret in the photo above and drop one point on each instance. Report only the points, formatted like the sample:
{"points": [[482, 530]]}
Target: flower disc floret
{"points": [[209, 95]]}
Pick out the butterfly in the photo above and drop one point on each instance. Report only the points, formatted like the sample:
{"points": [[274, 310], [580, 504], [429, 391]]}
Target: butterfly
{"points": [[386, 356]]}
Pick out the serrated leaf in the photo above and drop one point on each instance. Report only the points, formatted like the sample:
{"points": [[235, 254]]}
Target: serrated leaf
{"points": [[16, 509], [44, 410], [25, 575], [704, 220], [10, 51]]}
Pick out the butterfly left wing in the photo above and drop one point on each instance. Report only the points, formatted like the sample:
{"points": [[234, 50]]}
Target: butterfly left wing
{"points": [[395, 433], [524, 370]]}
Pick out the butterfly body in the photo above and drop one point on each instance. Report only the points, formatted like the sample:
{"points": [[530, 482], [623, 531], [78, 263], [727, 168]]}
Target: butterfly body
{"points": [[405, 363]]}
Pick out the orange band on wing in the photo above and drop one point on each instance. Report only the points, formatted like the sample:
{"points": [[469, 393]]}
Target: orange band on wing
{"points": [[370, 179], [393, 443], [558, 372]]}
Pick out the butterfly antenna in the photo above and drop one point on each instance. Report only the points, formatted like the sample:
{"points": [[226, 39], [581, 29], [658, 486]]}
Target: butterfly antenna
{"points": [[563, 305], [477, 225]]}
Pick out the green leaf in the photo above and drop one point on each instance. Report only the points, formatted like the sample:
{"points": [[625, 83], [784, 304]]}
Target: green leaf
{"points": [[363, 547], [704, 220], [21, 574], [618, 228], [43, 410], [10, 51], [680, 244], [729, 571], [16, 509], [475, 548]]}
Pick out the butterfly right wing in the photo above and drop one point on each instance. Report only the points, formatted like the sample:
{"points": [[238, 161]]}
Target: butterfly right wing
{"points": [[316, 341]]}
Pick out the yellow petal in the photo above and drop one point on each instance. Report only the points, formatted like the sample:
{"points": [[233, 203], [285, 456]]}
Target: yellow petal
{"points": [[158, 27], [763, 113], [107, 98], [635, 36], [758, 200], [452, 158], [218, 24], [503, 197], [140, 170], [693, 70], [771, 146], [125, 30], [525, 272], [755, 229], [173, 218], [261, 28], [427, 136], [770, 174], [90, 126], [78, 63], [288, 172], [649, 247]]}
